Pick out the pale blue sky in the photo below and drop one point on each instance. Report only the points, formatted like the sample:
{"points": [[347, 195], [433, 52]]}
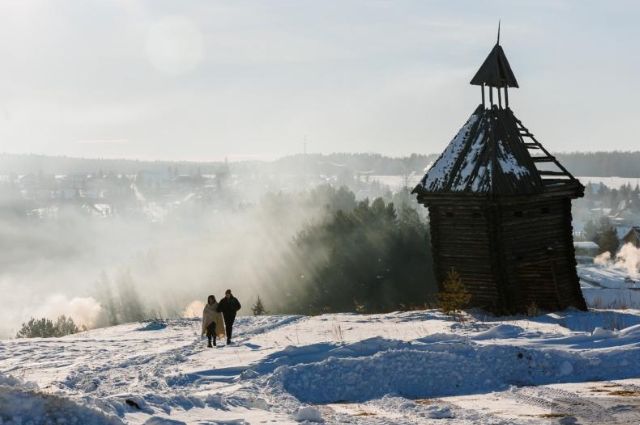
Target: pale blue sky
{"points": [[202, 80]]}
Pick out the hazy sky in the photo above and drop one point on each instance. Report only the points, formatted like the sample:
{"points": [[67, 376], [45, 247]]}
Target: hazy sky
{"points": [[202, 80]]}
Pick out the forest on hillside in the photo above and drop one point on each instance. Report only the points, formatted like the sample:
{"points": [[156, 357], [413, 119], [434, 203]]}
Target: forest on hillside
{"points": [[597, 164], [169, 235], [602, 164], [366, 257]]}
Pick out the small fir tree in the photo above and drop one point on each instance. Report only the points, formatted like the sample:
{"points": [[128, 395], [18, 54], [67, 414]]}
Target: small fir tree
{"points": [[258, 308], [454, 296], [532, 309]]}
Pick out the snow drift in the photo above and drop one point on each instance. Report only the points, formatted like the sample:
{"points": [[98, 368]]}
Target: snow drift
{"points": [[291, 369], [21, 403]]}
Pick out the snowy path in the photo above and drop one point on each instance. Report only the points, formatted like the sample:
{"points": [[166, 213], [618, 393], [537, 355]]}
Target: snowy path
{"points": [[399, 368]]}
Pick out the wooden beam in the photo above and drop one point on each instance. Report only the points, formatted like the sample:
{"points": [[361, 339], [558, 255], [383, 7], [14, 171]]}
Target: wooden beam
{"points": [[552, 173]]}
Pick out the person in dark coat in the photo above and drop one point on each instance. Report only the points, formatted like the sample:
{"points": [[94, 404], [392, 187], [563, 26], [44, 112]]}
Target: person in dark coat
{"points": [[229, 306]]}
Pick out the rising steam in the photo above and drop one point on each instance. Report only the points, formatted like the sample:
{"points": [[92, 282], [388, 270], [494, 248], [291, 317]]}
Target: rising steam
{"points": [[194, 309], [628, 259], [101, 271], [84, 311]]}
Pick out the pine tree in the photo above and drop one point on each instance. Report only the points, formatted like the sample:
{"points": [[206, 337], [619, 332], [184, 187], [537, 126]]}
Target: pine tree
{"points": [[608, 240], [65, 326], [258, 308], [105, 297], [606, 236], [131, 307], [454, 296], [590, 231], [45, 328], [37, 328]]}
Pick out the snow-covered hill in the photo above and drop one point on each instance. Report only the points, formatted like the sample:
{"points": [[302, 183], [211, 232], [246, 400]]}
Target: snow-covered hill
{"points": [[608, 286], [406, 368]]}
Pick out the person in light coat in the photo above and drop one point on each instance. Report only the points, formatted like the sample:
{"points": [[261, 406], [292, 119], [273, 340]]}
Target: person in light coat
{"points": [[212, 322]]}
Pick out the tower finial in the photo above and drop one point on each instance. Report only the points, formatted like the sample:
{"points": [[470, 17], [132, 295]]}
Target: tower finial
{"points": [[495, 70]]}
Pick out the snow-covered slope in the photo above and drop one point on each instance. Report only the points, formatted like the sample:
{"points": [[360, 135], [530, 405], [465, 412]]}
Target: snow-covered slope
{"points": [[412, 367], [609, 286]]}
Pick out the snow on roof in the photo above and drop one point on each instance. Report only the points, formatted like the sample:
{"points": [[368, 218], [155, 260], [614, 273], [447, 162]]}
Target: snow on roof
{"points": [[440, 171], [486, 156], [586, 245], [622, 230], [508, 162], [469, 165], [604, 211]]}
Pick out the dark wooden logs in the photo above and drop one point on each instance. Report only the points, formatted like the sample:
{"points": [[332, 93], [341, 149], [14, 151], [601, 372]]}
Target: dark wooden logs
{"points": [[511, 254]]}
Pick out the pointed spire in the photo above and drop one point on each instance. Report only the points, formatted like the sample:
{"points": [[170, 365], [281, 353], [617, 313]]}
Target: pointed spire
{"points": [[495, 70]]}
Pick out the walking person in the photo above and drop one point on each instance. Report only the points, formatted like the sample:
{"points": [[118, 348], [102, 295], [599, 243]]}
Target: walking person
{"points": [[229, 306], [212, 324]]}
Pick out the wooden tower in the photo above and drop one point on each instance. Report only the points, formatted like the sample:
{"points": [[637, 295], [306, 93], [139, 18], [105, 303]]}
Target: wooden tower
{"points": [[500, 207]]}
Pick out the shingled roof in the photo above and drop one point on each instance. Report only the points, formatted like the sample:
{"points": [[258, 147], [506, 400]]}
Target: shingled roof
{"points": [[494, 153], [495, 70], [489, 156]]}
